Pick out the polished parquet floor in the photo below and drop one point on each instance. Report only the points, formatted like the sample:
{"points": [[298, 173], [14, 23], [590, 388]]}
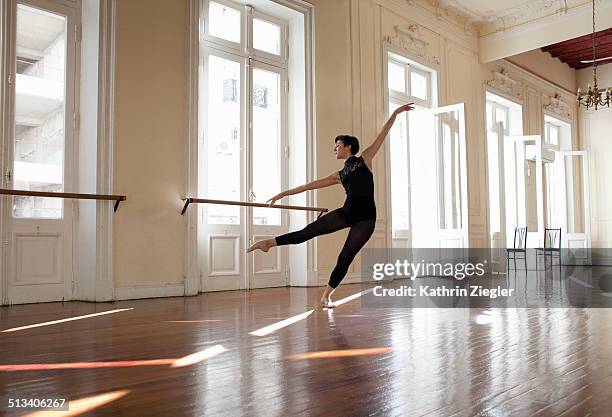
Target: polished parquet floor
{"points": [[235, 353]]}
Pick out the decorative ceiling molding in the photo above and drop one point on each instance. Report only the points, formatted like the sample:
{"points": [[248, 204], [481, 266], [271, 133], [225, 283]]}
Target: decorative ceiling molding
{"points": [[558, 106], [410, 40], [498, 19], [502, 82]]}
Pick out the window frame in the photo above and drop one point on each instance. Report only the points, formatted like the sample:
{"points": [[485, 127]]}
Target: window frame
{"points": [[410, 68], [245, 46], [261, 55], [547, 127], [204, 27], [506, 121]]}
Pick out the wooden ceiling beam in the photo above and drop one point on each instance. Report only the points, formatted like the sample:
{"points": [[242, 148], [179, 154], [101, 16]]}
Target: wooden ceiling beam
{"points": [[586, 54], [579, 39], [599, 43]]}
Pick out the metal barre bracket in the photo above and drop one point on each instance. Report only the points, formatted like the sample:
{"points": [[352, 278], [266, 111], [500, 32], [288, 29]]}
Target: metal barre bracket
{"points": [[187, 202]]}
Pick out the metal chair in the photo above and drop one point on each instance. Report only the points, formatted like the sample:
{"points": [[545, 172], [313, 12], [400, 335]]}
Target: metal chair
{"points": [[552, 246], [520, 246]]}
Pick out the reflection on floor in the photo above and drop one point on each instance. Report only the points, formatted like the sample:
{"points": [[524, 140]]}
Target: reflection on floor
{"points": [[352, 360]]}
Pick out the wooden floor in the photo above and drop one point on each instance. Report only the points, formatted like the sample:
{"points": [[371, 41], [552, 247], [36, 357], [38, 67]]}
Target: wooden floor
{"points": [[351, 361]]}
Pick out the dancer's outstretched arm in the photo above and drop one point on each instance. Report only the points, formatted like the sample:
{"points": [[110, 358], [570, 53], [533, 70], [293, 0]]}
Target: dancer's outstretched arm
{"points": [[369, 153], [320, 183]]}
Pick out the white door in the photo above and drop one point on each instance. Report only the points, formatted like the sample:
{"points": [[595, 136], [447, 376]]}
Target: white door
{"points": [[523, 188], [39, 143], [497, 201], [268, 153], [451, 177], [242, 158], [428, 178], [574, 200], [221, 133]]}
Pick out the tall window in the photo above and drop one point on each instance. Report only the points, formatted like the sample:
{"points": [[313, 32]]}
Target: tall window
{"points": [[244, 90], [407, 82]]}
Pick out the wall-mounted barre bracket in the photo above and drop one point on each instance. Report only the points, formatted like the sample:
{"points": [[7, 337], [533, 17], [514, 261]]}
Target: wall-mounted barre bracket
{"points": [[119, 200], [78, 196], [189, 200]]}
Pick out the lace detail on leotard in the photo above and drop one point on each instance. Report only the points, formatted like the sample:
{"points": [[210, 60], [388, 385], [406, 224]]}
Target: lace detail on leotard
{"points": [[356, 177]]}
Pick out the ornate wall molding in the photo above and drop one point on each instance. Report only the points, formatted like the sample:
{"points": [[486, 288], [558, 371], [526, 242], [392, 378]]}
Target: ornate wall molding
{"points": [[558, 106], [410, 40], [501, 81], [485, 22]]}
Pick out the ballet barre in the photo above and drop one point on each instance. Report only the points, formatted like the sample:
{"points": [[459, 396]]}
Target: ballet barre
{"points": [[190, 200], [79, 196]]}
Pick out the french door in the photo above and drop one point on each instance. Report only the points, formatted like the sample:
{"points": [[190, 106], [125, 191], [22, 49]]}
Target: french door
{"points": [[573, 199], [429, 179], [523, 188], [38, 137], [242, 158]]}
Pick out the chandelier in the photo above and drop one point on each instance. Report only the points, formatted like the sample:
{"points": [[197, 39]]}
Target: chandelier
{"points": [[594, 96]]}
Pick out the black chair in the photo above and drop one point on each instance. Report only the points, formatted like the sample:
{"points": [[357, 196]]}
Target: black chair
{"points": [[552, 246], [519, 251]]}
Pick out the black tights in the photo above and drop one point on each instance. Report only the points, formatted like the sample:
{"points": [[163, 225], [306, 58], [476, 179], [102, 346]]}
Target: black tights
{"points": [[333, 221]]}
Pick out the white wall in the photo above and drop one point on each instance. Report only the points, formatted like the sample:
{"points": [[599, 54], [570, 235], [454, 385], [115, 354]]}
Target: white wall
{"points": [[151, 126], [596, 139]]}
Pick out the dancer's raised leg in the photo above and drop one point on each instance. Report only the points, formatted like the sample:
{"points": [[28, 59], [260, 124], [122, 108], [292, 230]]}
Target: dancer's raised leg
{"points": [[328, 223]]}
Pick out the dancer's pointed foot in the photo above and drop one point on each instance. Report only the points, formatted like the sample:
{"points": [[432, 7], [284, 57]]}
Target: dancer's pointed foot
{"points": [[263, 245], [326, 303]]}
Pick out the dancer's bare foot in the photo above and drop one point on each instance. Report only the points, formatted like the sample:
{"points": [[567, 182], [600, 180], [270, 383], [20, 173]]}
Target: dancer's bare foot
{"points": [[263, 245], [326, 301]]}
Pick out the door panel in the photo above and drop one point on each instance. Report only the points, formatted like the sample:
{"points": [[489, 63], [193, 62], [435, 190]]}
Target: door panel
{"points": [[221, 163], [574, 199], [40, 144], [451, 170], [523, 188], [268, 269], [497, 200]]}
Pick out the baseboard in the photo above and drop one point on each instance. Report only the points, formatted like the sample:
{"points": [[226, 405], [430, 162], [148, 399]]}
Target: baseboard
{"points": [[149, 291]]}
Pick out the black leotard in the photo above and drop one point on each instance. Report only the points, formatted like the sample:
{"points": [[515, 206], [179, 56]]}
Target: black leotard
{"points": [[358, 181], [358, 213]]}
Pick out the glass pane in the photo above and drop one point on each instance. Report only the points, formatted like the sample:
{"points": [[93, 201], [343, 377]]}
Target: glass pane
{"points": [[397, 77], [224, 22], [266, 36], [418, 85], [574, 194], [266, 144], [501, 116], [400, 194], [553, 135], [223, 139], [40, 97], [449, 170]]}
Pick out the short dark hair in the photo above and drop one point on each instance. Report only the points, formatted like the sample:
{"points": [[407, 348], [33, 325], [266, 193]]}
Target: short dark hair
{"points": [[349, 140]]}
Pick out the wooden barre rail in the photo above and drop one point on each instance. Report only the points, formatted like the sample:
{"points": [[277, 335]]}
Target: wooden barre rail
{"points": [[107, 197], [188, 201]]}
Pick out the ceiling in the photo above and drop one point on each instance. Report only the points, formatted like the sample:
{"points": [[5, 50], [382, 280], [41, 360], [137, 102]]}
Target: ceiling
{"points": [[579, 49], [488, 17]]}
